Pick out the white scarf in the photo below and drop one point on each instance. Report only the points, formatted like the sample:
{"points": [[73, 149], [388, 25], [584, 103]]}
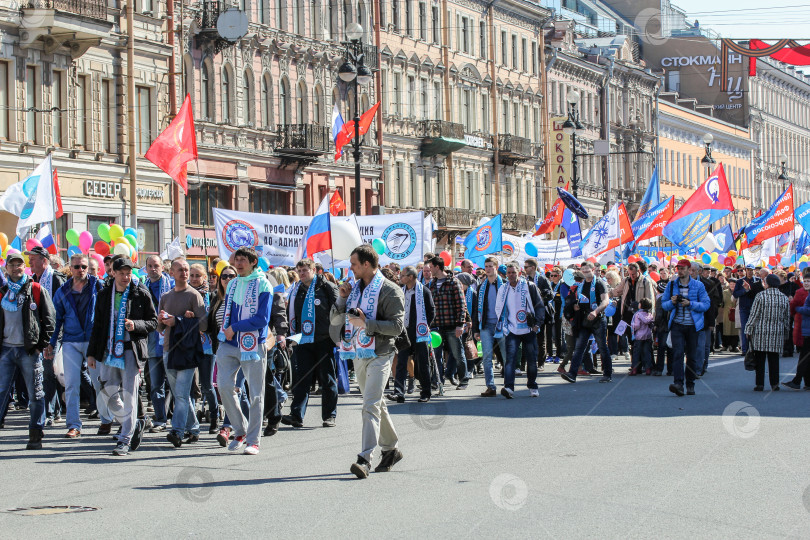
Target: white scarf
{"points": [[46, 281], [521, 317], [357, 343], [422, 328], [245, 292]]}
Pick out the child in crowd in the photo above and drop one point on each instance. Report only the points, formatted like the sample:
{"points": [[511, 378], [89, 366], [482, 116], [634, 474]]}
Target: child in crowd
{"points": [[642, 325]]}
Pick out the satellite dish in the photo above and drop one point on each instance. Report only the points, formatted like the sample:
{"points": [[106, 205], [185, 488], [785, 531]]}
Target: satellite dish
{"points": [[232, 24]]}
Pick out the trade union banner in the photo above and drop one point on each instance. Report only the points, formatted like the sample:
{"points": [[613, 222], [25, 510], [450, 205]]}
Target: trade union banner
{"points": [[276, 237]]}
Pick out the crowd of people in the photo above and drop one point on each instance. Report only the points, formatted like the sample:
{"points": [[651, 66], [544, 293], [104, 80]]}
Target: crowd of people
{"points": [[231, 345]]}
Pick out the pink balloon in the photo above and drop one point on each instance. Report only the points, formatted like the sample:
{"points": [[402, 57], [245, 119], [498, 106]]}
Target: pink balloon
{"points": [[31, 243], [28, 271], [85, 241]]}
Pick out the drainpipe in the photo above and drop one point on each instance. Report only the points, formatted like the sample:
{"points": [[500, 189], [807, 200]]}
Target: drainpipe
{"points": [[447, 118], [378, 85], [494, 110], [606, 131], [133, 204]]}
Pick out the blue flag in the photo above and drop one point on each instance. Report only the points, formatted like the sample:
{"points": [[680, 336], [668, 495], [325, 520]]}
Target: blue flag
{"points": [[486, 239], [651, 197], [802, 215], [802, 244], [725, 239], [573, 233]]}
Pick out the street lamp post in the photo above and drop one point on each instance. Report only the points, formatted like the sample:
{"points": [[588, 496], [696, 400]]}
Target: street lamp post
{"points": [[708, 160], [783, 177], [572, 127], [355, 73]]}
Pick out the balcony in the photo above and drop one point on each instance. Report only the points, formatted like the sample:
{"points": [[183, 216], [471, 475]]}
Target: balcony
{"points": [[461, 219], [369, 56], [302, 142], [513, 149], [75, 24], [518, 222], [206, 20], [440, 137]]}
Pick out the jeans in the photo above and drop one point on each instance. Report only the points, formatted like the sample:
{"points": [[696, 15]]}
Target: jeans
{"points": [[206, 370], [119, 394], [488, 341], [184, 418], [421, 362], [684, 342], [743, 337], [703, 361], [157, 390], [664, 352], [372, 376], [314, 361], [30, 365], [452, 354], [229, 363], [529, 342], [73, 356], [53, 406], [541, 344], [558, 338], [581, 345], [643, 353]]}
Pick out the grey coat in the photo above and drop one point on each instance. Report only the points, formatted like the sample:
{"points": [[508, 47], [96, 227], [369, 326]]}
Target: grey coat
{"points": [[385, 327], [769, 321]]}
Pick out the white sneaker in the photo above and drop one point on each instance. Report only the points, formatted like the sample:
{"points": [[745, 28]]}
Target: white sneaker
{"points": [[518, 372], [534, 392], [252, 450], [236, 444]]}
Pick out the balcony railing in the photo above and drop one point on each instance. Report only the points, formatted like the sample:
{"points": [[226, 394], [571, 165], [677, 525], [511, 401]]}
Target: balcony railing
{"points": [[454, 218], [513, 148], [369, 56], [95, 9], [439, 128], [518, 222], [303, 138]]}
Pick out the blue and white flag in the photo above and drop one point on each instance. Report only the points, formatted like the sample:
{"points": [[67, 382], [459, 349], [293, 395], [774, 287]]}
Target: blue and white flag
{"points": [[31, 199], [599, 237], [486, 239], [337, 122], [573, 233], [651, 197], [724, 238], [802, 214]]}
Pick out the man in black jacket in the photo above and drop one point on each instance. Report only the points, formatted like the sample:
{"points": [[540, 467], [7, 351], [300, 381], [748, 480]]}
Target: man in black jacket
{"points": [[123, 319], [417, 325], [27, 320], [41, 272], [310, 302], [715, 292]]}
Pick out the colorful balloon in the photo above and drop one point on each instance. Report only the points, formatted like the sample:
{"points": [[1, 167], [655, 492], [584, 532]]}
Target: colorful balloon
{"points": [[3, 240], [133, 240], [435, 339], [446, 258], [104, 232], [706, 258], [122, 249], [130, 230], [85, 241], [73, 250], [221, 266], [116, 231], [72, 236], [31, 243], [379, 245], [102, 248], [531, 249]]}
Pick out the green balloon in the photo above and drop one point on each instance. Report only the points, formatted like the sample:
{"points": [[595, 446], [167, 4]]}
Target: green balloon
{"points": [[72, 236], [103, 232], [479, 348], [435, 339], [379, 246], [132, 241]]}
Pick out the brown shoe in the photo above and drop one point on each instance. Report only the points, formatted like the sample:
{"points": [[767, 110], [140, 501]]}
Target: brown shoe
{"points": [[104, 429], [489, 392], [73, 433]]}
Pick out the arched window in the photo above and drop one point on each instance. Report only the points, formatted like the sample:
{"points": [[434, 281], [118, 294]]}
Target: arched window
{"points": [[227, 101], [301, 104], [317, 106], [267, 101], [206, 92], [249, 108], [347, 13], [284, 102]]}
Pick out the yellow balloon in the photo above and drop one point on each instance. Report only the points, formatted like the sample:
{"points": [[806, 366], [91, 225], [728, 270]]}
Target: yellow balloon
{"points": [[718, 265], [732, 253], [713, 256], [116, 231], [221, 266]]}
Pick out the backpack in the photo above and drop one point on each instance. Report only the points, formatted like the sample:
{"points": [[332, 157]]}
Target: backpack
{"points": [[36, 292]]}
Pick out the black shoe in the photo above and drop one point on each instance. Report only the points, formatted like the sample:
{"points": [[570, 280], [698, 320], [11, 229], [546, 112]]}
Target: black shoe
{"points": [[93, 415], [462, 386], [213, 428], [758, 388], [34, 439], [594, 372], [567, 377], [192, 438], [669, 374], [137, 435], [330, 422], [792, 385], [389, 459], [424, 399], [289, 420], [453, 381], [606, 379], [394, 396], [361, 468], [676, 389], [175, 439], [775, 388], [121, 449], [271, 429], [690, 390]]}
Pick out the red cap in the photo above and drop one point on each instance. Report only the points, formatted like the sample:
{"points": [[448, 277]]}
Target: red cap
{"points": [[685, 262]]}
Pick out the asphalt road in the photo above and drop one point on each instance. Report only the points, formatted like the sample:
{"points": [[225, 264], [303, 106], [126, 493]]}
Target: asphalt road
{"points": [[588, 460]]}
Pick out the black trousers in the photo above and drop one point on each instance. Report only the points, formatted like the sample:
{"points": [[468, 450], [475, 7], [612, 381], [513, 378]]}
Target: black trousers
{"points": [[541, 345], [421, 368], [773, 367], [311, 361], [803, 367]]}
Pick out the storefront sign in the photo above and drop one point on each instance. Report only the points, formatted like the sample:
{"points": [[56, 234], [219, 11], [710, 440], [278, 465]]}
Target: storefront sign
{"points": [[199, 242], [97, 188], [155, 194], [560, 162]]}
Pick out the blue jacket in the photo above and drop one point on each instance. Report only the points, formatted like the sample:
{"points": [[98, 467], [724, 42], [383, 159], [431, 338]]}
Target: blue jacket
{"points": [[698, 300], [746, 298], [805, 313], [67, 320], [259, 321]]}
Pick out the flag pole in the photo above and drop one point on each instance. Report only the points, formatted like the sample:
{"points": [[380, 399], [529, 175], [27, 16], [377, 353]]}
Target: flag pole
{"points": [[557, 246]]}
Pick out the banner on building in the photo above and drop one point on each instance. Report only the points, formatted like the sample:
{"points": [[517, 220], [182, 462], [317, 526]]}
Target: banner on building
{"points": [[559, 153], [276, 237]]}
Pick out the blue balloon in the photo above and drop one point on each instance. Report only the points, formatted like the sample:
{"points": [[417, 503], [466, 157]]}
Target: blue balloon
{"points": [[263, 264], [531, 250], [802, 265], [73, 250], [610, 310], [568, 277]]}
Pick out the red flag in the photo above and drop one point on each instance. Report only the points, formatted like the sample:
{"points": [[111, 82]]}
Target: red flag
{"points": [[625, 230], [176, 146], [777, 220], [553, 218], [58, 195], [347, 131], [657, 226], [336, 204]]}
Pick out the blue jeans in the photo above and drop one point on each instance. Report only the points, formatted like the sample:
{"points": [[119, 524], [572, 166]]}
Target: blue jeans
{"points": [[184, 418], [206, 369], [488, 340], [684, 342], [703, 361], [513, 342], [73, 356], [157, 389], [600, 338], [452, 354], [743, 337], [643, 353], [30, 365]]}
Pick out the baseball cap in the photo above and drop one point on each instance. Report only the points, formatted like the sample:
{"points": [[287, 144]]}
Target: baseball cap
{"points": [[39, 250], [123, 262], [709, 267], [684, 262], [15, 255], [749, 265]]}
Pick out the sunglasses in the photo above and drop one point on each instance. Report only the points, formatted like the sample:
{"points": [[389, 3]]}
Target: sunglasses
{"points": [[227, 276], [80, 266]]}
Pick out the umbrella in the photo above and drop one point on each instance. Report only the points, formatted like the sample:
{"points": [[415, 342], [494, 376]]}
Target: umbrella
{"points": [[572, 203]]}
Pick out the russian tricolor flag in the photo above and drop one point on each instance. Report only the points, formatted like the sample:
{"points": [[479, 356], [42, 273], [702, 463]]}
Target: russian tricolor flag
{"points": [[46, 239], [319, 234]]}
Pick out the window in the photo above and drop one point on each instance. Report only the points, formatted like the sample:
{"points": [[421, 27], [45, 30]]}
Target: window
{"points": [[30, 104], [423, 99], [524, 56], [281, 14], [249, 106], [59, 103], [284, 103], [436, 26], [260, 11], [482, 39], [485, 113], [465, 34], [317, 113], [414, 184], [201, 201], [505, 117], [395, 14], [149, 233], [422, 21], [206, 93], [408, 17], [144, 118], [411, 91], [466, 110], [297, 21], [227, 102], [397, 94], [92, 225], [4, 101], [269, 201], [536, 124], [526, 132], [83, 112], [437, 100], [487, 194], [267, 101], [534, 58], [514, 52], [107, 115], [301, 104], [504, 48]]}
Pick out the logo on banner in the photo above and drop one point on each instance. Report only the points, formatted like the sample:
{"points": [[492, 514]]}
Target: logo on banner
{"points": [[712, 189], [510, 252], [400, 240], [237, 233], [483, 238]]}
